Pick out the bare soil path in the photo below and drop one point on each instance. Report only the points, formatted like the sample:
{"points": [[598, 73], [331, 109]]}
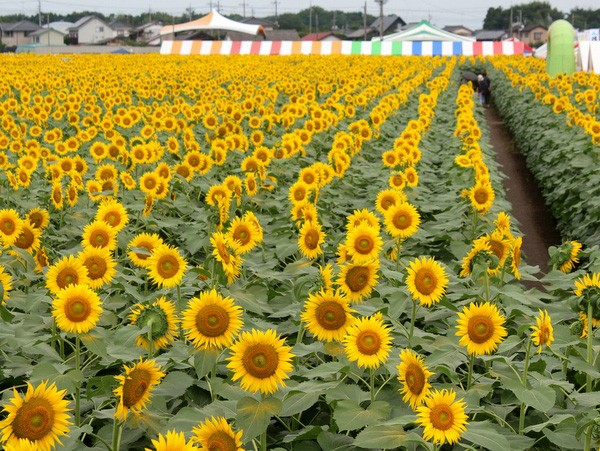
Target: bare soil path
{"points": [[528, 207]]}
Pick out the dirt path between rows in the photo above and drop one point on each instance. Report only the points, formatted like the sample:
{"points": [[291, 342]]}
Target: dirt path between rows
{"points": [[528, 207]]}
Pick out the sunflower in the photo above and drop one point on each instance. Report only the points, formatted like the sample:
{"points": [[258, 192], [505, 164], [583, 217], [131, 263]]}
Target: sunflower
{"points": [[212, 321], [310, 240], [40, 417], [482, 196], [141, 248], [543, 332], [230, 262], [426, 281], [499, 246], [29, 238], [250, 184], [216, 434], [251, 217], [166, 267], [502, 224], [481, 328], [136, 386], [6, 284], [368, 341], [66, 271], [99, 234], [39, 218], [567, 256], [414, 377], [327, 315], [402, 220], [100, 266], [261, 361], [242, 235], [443, 418], [358, 280], [299, 192], [587, 285], [359, 217], [113, 213], [41, 259], [10, 226], [515, 253], [481, 252], [56, 195], [388, 198], [76, 309], [172, 441], [160, 317], [363, 243]]}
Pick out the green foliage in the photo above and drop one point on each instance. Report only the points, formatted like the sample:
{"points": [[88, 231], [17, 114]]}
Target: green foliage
{"points": [[533, 13]]}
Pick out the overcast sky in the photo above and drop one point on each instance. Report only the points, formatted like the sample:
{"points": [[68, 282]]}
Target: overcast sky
{"points": [[439, 12]]}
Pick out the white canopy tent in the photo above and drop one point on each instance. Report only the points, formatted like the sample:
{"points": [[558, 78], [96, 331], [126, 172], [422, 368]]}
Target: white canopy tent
{"points": [[213, 21], [424, 31]]}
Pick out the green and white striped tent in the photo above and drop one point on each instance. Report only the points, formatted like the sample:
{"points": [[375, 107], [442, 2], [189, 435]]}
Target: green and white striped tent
{"points": [[424, 31]]}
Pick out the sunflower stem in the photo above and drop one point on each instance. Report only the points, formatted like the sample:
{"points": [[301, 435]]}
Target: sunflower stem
{"points": [[398, 248], [116, 435], [372, 383], [588, 438], [263, 441], [150, 341], [470, 372], [77, 387], [412, 323], [486, 286], [590, 351], [525, 370]]}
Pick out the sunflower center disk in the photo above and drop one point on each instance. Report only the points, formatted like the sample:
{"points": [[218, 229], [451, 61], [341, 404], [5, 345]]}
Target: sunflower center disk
{"points": [[331, 315], [66, 278], [99, 239], [260, 360], [112, 219], [401, 221], [224, 253], [357, 278], [34, 420], [480, 329], [242, 235], [25, 239], [135, 387], [481, 196], [77, 310], [220, 441], [312, 239], [441, 417], [365, 245], [368, 342], [168, 266], [8, 227], [425, 282], [96, 267], [415, 379], [212, 321]]}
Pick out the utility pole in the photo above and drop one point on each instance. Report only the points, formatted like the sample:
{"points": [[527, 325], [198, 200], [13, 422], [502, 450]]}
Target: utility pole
{"points": [[310, 19], [381, 29], [244, 8], [334, 26], [317, 23], [40, 13], [510, 27], [275, 2], [365, 21]]}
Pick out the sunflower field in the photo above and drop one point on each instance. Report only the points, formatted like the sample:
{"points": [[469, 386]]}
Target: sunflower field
{"points": [[247, 252]]}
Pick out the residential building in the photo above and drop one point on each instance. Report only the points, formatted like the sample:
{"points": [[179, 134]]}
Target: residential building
{"points": [[326, 36], [148, 33], [120, 29], [256, 21], [48, 36], [459, 30], [391, 24], [533, 35], [18, 33], [270, 35], [490, 35], [90, 30]]}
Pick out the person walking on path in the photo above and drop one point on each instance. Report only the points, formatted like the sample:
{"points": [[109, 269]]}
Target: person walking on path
{"points": [[484, 89]]}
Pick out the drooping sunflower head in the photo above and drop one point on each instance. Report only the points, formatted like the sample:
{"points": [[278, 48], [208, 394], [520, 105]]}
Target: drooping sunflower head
{"points": [[216, 434], [480, 253], [326, 276], [113, 213], [212, 321], [327, 315], [311, 239], [261, 361], [66, 271], [172, 441], [358, 280], [222, 252], [515, 256], [10, 226], [402, 220], [363, 243], [99, 234], [543, 332], [160, 316], [426, 281], [6, 283], [368, 342], [414, 377], [166, 266], [99, 264], [142, 246], [566, 256], [443, 418], [76, 309], [40, 417], [500, 247], [135, 387], [481, 328]]}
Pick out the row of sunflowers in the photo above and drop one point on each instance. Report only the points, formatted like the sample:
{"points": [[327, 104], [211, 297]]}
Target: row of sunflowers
{"points": [[556, 125], [260, 253]]}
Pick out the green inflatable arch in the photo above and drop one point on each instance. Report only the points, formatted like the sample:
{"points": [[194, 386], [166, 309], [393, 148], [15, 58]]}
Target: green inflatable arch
{"points": [[561, 54]]}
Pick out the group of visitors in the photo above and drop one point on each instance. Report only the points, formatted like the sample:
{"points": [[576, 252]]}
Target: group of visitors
{"points": [[481, 85]]}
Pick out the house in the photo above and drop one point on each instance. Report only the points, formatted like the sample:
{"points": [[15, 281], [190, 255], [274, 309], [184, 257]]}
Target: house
{"points": [[326, 36], [532, 35], [148, 33], [48, 36], [391, 24], [18, 33], [459, 30], [256, 21], [90, 30], [270, 35], [120, 29], [490, 35], [60, 25]]}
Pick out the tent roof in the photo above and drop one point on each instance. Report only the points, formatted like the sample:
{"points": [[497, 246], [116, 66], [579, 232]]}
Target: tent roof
{"points": [[213, 21], [424, 31]]}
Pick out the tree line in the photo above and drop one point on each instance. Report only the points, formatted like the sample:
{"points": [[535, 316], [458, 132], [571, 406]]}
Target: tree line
{"points": [[539, 13]]}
